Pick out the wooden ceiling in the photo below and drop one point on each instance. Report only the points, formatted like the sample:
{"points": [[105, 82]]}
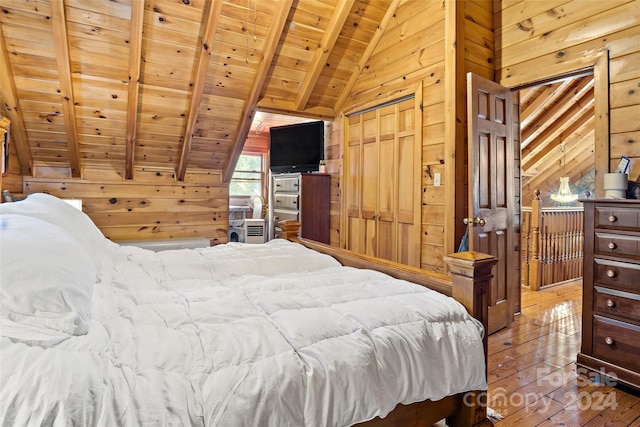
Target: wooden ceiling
{"points": [[557, 131], [128, 84]]}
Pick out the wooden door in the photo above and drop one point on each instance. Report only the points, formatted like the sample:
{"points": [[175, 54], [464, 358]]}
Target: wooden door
{"points": [[382, 182], [492, 204]]}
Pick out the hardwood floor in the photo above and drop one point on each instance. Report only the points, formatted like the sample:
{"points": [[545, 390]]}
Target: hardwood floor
{"points": [[532, 369]]}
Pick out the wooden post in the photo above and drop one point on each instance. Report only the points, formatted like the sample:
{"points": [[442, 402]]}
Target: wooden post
{"points": [[471, 278], [536, 263]]}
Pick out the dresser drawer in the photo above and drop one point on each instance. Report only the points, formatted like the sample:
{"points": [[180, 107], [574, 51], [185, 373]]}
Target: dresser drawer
{"points": [[613, 303], [288, 201], [616, 342], [289, 184], [617, 244], [284, 215], [617, 217], [615, 274]]}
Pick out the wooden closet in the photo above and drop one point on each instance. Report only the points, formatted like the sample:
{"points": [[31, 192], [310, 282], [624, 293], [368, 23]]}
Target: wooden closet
{"points": [[382, 182]]}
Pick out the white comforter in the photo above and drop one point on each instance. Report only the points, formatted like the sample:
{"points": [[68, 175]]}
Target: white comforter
{"points": [[241, 335]]}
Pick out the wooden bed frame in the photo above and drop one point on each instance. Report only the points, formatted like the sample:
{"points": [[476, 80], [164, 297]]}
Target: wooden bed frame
{"points": [[468, 284]]}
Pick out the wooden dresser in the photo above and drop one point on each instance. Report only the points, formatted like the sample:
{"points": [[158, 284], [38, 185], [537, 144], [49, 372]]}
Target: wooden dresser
{"points": [[611, 290], [302, 197]]}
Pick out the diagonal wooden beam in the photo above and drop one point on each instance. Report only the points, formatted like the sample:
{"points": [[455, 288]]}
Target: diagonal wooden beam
{"points": [[391, 11], [14, 113], [280, 16], [584, 116], [133, 88], [559, 102], [202, 66], [539, 97], [59, 24], [575, 107], [321, 54]]}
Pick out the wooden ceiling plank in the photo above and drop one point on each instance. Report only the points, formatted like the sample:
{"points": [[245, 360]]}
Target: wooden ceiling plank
{"points": [[391, 10], [576, 108], [280, 18], [560, 101], [133, 89], [58, 22], [584, 121], [208, 38], [339, 17], [13, 111], [538, 96]]}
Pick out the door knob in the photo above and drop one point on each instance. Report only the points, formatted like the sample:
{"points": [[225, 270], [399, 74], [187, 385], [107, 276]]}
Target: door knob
{"points": [[474, 221]]}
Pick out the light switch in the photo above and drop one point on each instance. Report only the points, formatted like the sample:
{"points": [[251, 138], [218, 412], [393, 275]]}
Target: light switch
{"points": [[436, 179]]}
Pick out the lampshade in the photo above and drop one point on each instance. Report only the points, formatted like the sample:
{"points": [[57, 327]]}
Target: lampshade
{"points": [[564, 194]]}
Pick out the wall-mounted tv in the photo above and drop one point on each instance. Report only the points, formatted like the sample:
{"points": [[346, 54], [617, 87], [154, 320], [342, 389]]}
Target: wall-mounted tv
{"points": [[296, 148]]}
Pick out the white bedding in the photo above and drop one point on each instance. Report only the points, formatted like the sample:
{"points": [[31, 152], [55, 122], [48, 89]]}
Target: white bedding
{"points": [[240, 335]]}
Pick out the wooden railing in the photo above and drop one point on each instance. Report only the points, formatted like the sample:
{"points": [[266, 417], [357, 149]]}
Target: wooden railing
{"points": [[552, 242]]}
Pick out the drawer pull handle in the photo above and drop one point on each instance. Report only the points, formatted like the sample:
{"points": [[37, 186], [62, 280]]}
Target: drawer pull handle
{"points": [[611, 274], [612, 218], [610, 303], [612, 245], [608, 340]]}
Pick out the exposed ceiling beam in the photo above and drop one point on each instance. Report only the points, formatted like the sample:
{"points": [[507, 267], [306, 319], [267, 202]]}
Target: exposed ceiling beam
{"points": [[562, 100], [529, 95], [331, 33], [135, 53], [575, 106], [279, 106], [280, 16], [391, 11], [540, 96], [13, 111], [198, 85], [58, 22], [579, 162], [581, 118]]}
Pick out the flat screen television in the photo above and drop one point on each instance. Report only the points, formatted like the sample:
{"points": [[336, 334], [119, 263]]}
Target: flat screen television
{"points": [[296, 148]]}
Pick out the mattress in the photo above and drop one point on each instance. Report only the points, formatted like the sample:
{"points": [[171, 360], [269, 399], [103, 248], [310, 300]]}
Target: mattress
{"points": [[233, 335]]}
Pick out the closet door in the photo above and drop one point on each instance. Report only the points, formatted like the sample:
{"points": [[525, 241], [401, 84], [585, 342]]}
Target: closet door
{"points": [[382, 182]]}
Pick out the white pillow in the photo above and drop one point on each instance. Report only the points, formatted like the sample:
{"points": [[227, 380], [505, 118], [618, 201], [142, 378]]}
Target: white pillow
{"points": [[46, 278], [56, 211]]}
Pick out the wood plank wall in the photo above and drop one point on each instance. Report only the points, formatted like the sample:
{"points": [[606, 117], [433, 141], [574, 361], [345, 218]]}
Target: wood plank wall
{"points": [[536, 40], [153, 206], [411, 50]]}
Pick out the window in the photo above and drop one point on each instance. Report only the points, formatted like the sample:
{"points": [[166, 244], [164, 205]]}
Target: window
{"points": [[247, 178]]}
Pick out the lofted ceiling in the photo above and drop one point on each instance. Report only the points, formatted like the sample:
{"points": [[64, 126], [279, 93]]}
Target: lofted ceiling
{"points": [[128, 84], [557, 133]]}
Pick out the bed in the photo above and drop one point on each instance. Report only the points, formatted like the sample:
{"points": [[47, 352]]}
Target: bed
{"points": [[285, 333]]}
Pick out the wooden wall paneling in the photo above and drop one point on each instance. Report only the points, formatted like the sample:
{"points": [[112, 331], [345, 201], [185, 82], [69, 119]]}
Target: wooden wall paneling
{"points": [[154, 206], [593, 27], [602, 127], [455, 176]]}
